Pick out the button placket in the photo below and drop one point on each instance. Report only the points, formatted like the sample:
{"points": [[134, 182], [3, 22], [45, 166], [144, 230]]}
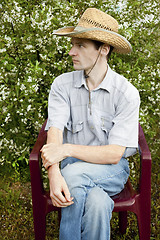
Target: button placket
{"points": [[90, 103], [91, 111], [102, 119]]}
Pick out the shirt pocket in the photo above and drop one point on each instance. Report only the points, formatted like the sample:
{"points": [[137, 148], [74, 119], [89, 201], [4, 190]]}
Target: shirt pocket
{"points": [[75, 132], [106, 124], [74, 127]]}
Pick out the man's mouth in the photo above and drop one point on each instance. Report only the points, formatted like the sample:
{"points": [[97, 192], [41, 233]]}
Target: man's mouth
{"points": [[75, 61]]}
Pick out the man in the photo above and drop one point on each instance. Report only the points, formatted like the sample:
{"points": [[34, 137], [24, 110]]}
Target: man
{"points": [[92, 127]]}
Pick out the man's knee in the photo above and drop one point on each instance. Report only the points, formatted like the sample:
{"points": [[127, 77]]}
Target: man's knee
{"points": [[99, 201]]}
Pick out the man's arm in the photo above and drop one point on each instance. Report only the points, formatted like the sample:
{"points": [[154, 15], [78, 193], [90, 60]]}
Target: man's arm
{"points": [[107, 154], [59, 191]]}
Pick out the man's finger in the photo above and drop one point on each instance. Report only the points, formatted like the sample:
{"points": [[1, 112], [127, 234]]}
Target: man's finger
{"points": [[59, 203], [67, 193]]}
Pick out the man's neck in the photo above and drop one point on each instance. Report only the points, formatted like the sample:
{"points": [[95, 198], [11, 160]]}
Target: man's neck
{"points": [[96, 76]]}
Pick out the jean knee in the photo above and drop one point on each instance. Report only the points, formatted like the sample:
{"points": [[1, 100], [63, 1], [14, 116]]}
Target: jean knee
{"points": [[99, 200]]}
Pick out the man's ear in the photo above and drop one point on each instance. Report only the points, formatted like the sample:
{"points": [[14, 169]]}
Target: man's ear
{"points": [[105, 49]]}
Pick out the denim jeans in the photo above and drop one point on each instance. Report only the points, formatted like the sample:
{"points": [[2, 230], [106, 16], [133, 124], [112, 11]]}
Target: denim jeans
{"points": [[92, 186]]}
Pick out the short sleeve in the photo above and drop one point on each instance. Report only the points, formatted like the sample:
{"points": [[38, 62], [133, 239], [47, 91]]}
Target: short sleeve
{"points": [[125, 123], [58, 106]]}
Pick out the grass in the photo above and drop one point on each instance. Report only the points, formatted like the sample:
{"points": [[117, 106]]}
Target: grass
{"points": [[16, 211], [16, 219]]}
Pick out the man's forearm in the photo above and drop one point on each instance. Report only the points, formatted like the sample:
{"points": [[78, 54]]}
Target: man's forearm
{"points": [[108, 154], [54, 135], [59, 191], [54, 151]]}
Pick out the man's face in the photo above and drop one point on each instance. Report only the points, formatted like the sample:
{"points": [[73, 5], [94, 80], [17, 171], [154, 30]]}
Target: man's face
{"points": [[83, 53]]}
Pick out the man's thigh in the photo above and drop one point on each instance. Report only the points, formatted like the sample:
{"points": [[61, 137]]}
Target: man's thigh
{"points": [[110, 177]]}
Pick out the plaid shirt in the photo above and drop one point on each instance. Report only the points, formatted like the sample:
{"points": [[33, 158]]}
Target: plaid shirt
{"points": [[106, 115]]}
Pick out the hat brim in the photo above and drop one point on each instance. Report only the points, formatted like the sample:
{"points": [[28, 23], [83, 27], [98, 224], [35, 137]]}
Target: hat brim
{"points": [[120, 44]]}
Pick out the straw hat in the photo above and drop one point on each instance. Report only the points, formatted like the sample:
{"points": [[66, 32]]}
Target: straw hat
{"points": [[97, 25]]}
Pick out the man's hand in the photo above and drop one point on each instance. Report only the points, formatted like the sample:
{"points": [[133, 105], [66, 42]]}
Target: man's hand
{"points": [[59, 191], [52, 153]]}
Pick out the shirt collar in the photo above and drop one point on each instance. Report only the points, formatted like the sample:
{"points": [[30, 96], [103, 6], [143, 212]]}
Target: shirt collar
{"points": [[106, 84], [80, 79]]}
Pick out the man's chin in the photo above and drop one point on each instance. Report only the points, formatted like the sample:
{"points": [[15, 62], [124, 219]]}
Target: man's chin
{"points": [[77, 68]]}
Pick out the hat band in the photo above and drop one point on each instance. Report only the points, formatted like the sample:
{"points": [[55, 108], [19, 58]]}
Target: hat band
{"points": [[79, 30]]}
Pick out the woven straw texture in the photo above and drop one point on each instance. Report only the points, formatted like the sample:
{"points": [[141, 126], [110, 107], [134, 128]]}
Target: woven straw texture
{"points": [[97, 25], [93, 17]]}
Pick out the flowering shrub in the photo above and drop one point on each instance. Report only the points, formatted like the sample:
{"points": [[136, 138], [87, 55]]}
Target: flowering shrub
{"points": [[31, 57]]}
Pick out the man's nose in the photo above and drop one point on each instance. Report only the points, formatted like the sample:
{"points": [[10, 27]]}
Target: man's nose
{"points": [[72, 52]]}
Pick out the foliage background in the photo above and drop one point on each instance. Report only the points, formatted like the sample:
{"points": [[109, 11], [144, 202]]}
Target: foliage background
{"points": [[31, 57]]}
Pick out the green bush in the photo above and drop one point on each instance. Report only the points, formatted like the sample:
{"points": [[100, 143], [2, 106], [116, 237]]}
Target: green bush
{"points": [[31, 58]]}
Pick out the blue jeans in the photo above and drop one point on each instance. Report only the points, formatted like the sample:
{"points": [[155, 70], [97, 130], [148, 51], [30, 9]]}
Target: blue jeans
{"points": [[92, 186]]}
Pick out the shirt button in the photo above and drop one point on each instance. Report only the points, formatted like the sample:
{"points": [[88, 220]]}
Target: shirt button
{"points": [[92, 127]]}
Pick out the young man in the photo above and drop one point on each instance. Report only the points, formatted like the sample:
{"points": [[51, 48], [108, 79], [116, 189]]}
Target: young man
{"points": [[92, 127]]}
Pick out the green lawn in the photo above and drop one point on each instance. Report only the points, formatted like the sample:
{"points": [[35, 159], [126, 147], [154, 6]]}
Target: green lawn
{"points": [[16, 212]]}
